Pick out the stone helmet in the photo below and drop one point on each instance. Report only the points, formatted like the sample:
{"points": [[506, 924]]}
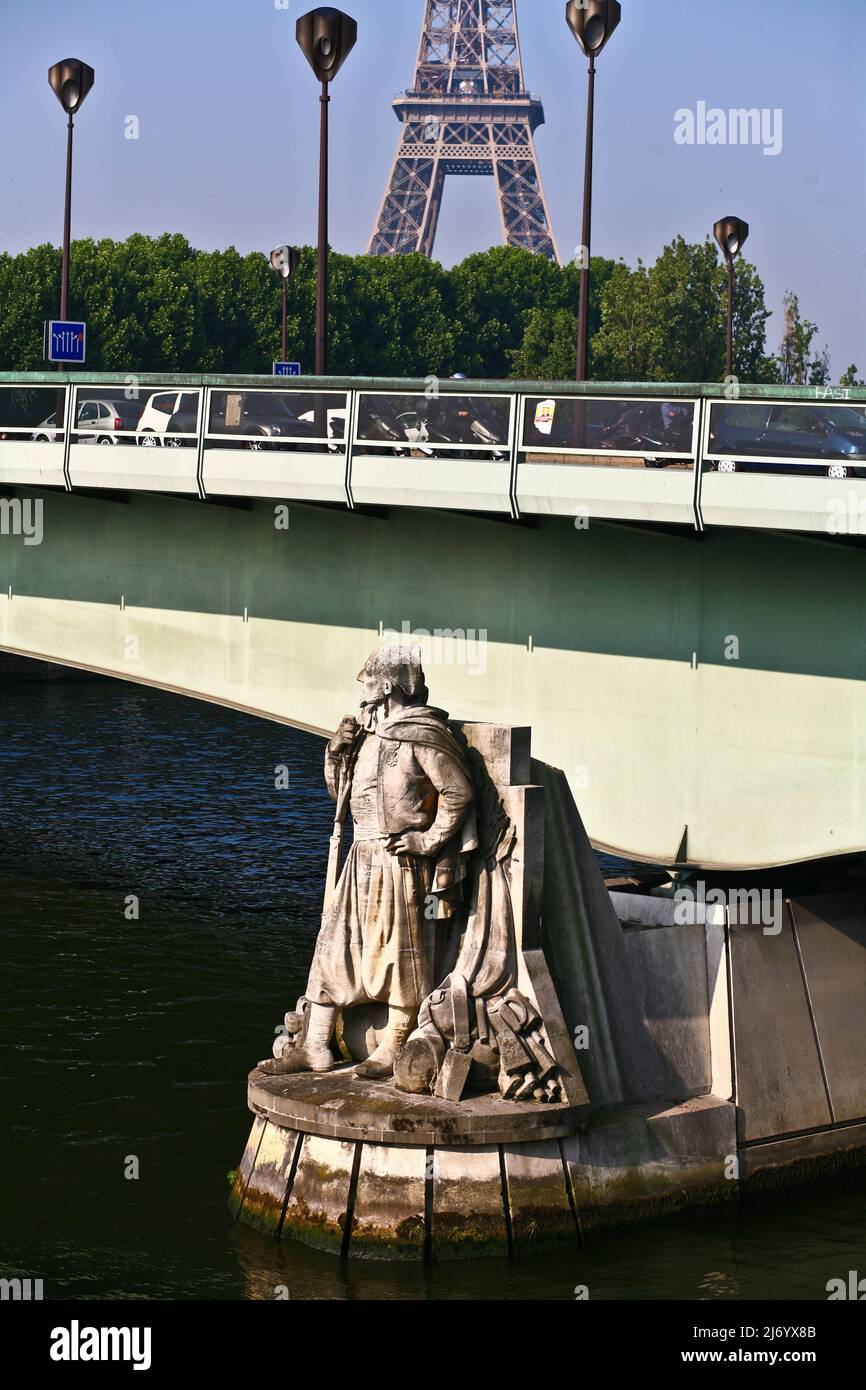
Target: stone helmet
{"points": [[401, 666]]}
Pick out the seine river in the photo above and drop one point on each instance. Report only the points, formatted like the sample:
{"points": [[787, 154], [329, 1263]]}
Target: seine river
{"points": [[127, 1036]]}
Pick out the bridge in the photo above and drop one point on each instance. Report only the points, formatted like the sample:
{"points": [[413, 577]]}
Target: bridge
{"points": [[664, 581]]}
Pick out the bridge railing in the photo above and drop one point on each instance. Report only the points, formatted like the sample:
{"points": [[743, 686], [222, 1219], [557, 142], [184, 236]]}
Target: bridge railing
{"points": [[675, 454]]}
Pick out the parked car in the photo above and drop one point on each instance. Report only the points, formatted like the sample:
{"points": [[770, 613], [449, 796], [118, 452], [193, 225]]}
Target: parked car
{"points": [[97, 422], [818, 433], [168, 412], [261, 414], [183, 421], [337, 420]]}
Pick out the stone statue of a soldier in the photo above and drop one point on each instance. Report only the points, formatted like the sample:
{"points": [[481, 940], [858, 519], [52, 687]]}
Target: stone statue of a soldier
{"points": [[411, 800]]}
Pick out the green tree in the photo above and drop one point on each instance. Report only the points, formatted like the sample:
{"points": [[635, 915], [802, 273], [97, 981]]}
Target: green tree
{"points": [[233, 297], [625, 346], [687, 312], [549, 348], [850, 378], [668, 322], [751, 361], [138, 300], [388, 317], [797, 367], [156, 304], [29, 294], [819, 368], [490, 292], [548, 351]]}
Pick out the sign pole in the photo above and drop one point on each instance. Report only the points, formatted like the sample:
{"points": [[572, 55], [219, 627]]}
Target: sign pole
{"points": [[67, 226]]}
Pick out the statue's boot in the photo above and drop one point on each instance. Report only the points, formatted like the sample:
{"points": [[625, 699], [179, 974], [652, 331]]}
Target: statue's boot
{"points": [[314, 1053], [380, 1063]]}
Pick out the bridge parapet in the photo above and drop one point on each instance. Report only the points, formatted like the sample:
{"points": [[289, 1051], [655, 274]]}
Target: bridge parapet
{"points": [[675, 454]]}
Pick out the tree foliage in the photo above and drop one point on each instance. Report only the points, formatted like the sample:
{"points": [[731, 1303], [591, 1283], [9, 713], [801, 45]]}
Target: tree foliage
{"points": [[796, 363], [156, 304], [668, 321]]}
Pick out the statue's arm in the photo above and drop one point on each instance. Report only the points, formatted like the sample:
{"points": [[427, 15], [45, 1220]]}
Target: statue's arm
{"points": [[454, 796], [332, 767], [337, 753]]}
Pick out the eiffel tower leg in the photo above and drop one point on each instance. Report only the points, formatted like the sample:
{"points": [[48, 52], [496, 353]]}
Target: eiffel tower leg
{"points": [[410, 209], [434, 207], [523, 206]]}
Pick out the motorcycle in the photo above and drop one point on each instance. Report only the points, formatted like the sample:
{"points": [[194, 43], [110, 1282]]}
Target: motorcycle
{"points": [[378, 424], [452, 420], [654, 443], [486, 428]]}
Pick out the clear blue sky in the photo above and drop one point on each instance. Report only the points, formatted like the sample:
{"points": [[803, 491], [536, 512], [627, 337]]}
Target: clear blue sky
{"points": [[228, 126]]}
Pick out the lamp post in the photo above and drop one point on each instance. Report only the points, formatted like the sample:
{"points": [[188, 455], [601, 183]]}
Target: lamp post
{"points": [[326, 37], [731, 234], [70, 81], [592, 22], [284, 260]]}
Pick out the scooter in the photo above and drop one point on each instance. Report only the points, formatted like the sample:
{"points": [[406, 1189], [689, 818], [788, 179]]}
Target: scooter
{"points": [[452, 420], [654, 447], [486, 428], [378, 424], [421, 427]]}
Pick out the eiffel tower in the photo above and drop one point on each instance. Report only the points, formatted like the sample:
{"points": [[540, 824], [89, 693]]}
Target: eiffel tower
{"points": [[467, 112]]}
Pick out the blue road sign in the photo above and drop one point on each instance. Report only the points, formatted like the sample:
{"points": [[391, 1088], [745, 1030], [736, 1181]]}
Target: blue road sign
{"points": [[287, 369], [65, 342]]}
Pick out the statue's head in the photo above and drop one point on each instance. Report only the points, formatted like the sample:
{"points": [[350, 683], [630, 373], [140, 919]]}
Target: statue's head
{"points": [[393, 674]]}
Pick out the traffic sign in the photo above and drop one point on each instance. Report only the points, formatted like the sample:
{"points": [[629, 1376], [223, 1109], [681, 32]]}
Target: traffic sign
{"points": [[287, 369], [65, 341]]}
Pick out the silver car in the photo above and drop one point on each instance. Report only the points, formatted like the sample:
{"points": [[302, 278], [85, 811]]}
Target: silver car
{"points": [[97, 423]]}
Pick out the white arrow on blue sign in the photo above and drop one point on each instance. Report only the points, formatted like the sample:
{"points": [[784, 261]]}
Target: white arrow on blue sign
{"points": [[65, 341], [287, 369]]}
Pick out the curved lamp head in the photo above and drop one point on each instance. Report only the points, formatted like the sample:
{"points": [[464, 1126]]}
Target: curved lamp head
{"points": [[326, 37], [285, 260], [592, 22], [731, 234], [70, 81]]}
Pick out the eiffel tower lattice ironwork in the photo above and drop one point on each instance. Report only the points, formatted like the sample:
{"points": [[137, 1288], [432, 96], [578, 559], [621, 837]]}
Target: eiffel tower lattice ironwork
{"points": [[467, 112]]}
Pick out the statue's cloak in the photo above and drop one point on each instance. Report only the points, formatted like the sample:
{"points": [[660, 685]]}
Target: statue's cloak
{"points": [[426, 726]]}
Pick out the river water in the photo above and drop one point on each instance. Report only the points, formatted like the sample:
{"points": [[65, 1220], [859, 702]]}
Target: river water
{"points": [[129, 1036]]}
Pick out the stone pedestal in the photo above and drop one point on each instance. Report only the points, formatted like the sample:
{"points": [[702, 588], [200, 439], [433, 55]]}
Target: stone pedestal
{"points": [[363, 1171], [358, 1168]]}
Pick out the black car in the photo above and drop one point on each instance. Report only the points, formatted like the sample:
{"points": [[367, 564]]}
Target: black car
{"points": [[257, 419]]}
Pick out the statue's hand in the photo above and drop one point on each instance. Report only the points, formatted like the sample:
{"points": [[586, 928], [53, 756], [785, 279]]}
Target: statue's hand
{"points": [[345, 735], [410, 842]]}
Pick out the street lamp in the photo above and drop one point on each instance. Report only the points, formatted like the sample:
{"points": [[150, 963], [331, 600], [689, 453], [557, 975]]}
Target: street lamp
{"points": [[731, 234], [592, 22], [326, 37], [285, 260], [70, 81]]}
